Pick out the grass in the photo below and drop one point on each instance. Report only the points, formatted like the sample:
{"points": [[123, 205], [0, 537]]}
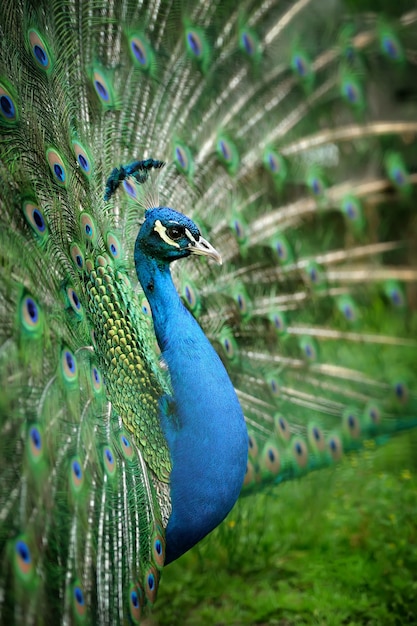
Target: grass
{"points": [[335, 547]]}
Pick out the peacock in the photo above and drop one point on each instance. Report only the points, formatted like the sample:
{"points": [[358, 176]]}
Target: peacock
{"points": [[144, 389]]}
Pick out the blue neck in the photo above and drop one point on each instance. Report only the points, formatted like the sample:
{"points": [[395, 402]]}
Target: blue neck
{"points": [[208, 441]]}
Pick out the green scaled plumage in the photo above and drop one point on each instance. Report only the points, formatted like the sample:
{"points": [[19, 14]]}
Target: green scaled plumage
{"points": [[289, 135]]}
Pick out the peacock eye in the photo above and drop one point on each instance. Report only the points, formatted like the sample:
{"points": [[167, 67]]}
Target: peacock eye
{"points": [[175, 232]]}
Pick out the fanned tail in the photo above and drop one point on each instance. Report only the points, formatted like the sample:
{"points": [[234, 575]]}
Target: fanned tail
{"points": [[288, 130], [309, 186]]}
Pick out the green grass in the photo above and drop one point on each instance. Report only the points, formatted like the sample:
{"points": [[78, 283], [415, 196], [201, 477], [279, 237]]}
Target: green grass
{"points": [[335, 547]]}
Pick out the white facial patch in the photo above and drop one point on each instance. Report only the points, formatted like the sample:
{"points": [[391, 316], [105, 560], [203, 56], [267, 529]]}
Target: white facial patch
{"points": [[162, 232], [190, 236]]}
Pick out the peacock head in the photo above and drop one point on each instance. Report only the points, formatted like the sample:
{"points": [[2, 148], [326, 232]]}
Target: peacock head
{"points": [[167, 235]]}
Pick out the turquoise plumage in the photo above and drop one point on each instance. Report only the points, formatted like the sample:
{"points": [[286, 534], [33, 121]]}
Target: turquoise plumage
{"points": [[288, 133]]}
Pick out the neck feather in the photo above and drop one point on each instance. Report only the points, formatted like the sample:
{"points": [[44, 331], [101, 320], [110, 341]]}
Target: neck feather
{"points": [[207, 438]]}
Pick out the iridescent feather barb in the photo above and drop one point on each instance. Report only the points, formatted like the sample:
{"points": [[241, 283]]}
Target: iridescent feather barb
{"points": [[288, 130]]}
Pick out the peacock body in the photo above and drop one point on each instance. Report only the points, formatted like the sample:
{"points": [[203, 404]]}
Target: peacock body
{"points": [[288, 132]]}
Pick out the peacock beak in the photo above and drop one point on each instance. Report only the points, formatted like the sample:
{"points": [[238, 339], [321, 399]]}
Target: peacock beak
{"points": [[203, 248]]}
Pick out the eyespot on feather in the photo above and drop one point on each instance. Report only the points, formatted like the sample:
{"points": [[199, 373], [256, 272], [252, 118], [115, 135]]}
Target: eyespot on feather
{"points": [[109, 461], [302, 68], [40, 50], [299, 451], [390, 44], [96, 379], [335, 447], [35, 218], [76, 475], [69, 368], [347, 307], [394, 291], [151, 581], [242, 300], [316, 182], [183, 159], [135, 603], [274, 385], [401, 392], [103, 88], [276, 165], [315, 274], [351, 423], [309, 349], [249, 43], [74, 302], [126, 446], [9, 113], [352, 209], [88, 227], [227, 153], [158, 547], [351, 91], [31, 316], [35, 443], [282, 249], [23, 562], [78, 603], [372, 414], [77, 256], [145, 308], [197, 46], [229, 344], [239, 229], [316, 438], [279, 322], [253, 448], [58, 167], [141, 52], [271, 459], [83, 158], [282, 427], [113, 246], [397, 171], [190, 295]]}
